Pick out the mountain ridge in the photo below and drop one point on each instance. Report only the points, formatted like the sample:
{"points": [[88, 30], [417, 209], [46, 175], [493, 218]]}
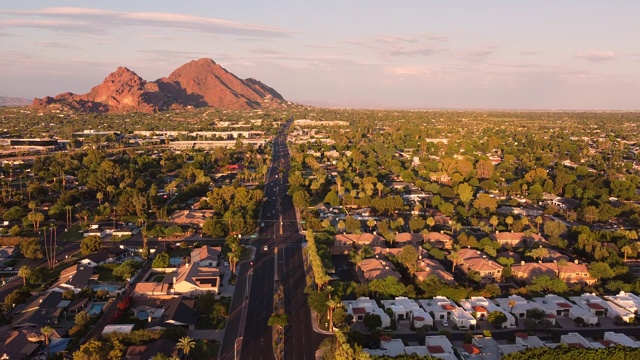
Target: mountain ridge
{"points": [[198, 83]]}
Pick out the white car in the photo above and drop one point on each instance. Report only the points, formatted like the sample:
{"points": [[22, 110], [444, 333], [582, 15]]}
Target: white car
{"points": [[226, 264], [265, 248], [445, 323]]}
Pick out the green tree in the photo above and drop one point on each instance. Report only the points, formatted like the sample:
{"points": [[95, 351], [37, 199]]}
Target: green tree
{"points": [[24, 273], [280, 320], [372, 321], [185, 344], [408, 256], [161, 261], [301, 199], [31, 248], [465, 192], [497, 318], [601, 270], [90, 244], [215, 227]]}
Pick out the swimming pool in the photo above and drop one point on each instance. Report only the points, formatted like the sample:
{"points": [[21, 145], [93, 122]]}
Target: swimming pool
{"points": [[109, 288], [142, 315], [175, 261], [96, 309]]}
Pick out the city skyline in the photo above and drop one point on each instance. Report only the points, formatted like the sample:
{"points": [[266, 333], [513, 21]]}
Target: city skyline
{"points": [[493, 55]]}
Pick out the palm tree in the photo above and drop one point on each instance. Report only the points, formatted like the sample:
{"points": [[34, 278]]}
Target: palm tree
{"points": [[454, 256], [99, 196], [509, 221], [626, 250], [186, 344], [431, 222], [24, 272], [494, 222], [333, 304], [538, 222], [46, 331], [511, 303]]}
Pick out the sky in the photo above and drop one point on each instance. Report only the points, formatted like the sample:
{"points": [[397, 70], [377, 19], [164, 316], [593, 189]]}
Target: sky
{"points": [[421, 54]]}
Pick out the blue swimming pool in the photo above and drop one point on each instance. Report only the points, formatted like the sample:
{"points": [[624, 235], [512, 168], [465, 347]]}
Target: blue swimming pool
{"points": [[96, 309], [175, 261], [142, 315], [109, 288]]}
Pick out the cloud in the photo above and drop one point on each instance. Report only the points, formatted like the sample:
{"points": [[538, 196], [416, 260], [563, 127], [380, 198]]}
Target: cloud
{"points": [[594, 55], [81, 20], [529, 52], [419, 51], [55, 45]]}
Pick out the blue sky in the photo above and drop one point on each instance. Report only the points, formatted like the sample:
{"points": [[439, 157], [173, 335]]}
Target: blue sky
{"points": [[374, 54]]}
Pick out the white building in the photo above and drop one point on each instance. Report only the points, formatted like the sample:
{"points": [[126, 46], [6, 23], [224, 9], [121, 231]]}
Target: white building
{"points": [[483, 307], [576, 340], [626, 301], [440, 306], [554, 306], [528, 341], [601, 308], [362, 306], [620, 339], [515, 304], [439, 346], [463, 319], [407, 309]]}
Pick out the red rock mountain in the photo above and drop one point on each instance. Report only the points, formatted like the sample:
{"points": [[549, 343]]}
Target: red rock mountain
{"points": [[198, 83]]}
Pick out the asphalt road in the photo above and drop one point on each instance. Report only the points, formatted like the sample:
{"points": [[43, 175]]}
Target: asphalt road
{"points": [[278, 228]]}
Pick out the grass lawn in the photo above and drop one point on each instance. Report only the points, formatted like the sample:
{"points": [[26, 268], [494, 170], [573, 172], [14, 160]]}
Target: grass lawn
{"points": [[73, 235], [105, 272]]}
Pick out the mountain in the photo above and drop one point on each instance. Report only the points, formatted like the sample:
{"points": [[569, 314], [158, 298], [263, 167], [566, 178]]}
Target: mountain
{"points": [[198, 83], [13, 101]]}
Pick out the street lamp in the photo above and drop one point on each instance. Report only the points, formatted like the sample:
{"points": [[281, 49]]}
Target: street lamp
{"points": [[235, 348]]}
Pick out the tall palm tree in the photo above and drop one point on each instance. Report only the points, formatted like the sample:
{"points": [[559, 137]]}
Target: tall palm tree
{"points": [[24, 272], [186, 344], [46, 331]]}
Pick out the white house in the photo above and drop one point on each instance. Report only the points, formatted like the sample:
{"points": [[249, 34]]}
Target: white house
{"points": [[515, 304], [576, 340], [620, 339], [439, 306], [360, 307], [463, 319], [600, 307], [440, 347], [483, 307], [626, 301], [407, 309]]}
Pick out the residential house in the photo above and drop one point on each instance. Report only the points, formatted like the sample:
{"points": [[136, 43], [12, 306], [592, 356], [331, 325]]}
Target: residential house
{"points": [[76, 278], [388, 347], [531, 270], [371, 269], [528, 341], [194, 280], [407, 309], [555, 306], [473, 260], [191, 218], [427, 267], [18, 344], [45, 309], [620, 339], [625, 300], [439, 240], [104, 256], [6, 253], [516, 305], [574, 272], [152, 289], [206, 256], [363, 305], [601, 308], [440, 347], [404, 238], [439, 307], [518, 239], [147, 351], [482, 307], [357, 241], [176, 311], [463, 319], [576, 340]]}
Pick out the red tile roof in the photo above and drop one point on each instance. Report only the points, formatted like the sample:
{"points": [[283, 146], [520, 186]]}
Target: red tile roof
{"points": [[359, 310], [479, 309], [564, 305], [471, 349], [385, 338], [595, 306], [447, 307], [522, 335], [435, 349]]}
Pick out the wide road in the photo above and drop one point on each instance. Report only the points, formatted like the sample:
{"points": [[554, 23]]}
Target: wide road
{"points": [[278, 228]]}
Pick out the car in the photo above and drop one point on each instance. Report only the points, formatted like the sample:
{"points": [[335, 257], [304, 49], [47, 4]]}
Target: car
{"points": [[445, 323], [8, 269], [226, 264], [265, 248]]}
